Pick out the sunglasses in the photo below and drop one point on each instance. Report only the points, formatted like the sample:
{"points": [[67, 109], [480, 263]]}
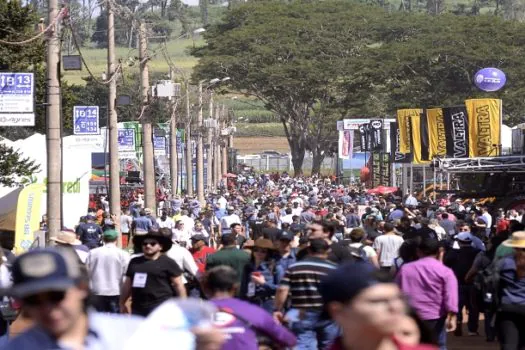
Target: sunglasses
{"points": [[260, 250], [43, 298], [150, 243]]}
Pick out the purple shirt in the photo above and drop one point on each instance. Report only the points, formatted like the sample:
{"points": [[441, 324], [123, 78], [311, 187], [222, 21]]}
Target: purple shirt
{"points": [[431, 287], [240, 335]]}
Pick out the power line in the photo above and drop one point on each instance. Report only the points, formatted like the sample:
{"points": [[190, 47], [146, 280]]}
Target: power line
{"points": [[45, 30], [103, 82]]}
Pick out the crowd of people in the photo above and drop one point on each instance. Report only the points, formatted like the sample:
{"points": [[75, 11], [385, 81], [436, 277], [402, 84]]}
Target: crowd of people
{"points": [[283, 263]]}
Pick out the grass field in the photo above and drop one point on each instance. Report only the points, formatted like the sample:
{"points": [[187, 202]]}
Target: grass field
{"points": [[96, 59]]}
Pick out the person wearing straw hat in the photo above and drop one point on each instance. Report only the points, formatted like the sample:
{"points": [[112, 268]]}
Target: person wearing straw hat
{"points": [[69, 239], [153, 277], [510, 320], [259, 279]]}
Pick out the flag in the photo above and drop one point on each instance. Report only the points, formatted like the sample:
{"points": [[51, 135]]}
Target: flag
{"points": [[437, 141], [376, 134], [27, 216], [403, 120], [346, 141], [396, 156], [456, 131], [484, 125], [417, 139], [364, 137]]}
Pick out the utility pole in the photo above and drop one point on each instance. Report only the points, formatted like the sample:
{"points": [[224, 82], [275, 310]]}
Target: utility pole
{"points": [[200, 153], [53, 124], [189, 148], [173, 149], [217, 153], [114, 164], [147, 143], [209, 173], [225, 147]]}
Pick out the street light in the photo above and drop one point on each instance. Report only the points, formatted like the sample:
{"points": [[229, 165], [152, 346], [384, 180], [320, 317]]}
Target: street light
{"points": [[199, 30]]}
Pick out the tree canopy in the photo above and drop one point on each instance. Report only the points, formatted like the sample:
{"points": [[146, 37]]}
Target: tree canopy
{"points": [[315, 62], [13, 166]]}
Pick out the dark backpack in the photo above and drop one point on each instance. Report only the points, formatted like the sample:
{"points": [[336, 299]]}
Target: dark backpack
{"points": [[487, 282], [358, 253]]}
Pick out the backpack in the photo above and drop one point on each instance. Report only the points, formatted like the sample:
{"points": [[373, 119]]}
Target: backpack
{"points": [[487, 282], [358, 253]]}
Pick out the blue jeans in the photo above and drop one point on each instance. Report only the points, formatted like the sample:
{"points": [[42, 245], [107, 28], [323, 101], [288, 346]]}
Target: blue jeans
{"points": [[106, 303], [314, 332], [438, 326], [4, 333], [467, 298]]}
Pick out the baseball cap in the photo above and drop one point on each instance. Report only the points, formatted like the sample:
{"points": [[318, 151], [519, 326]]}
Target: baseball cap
{"points": [[286, 236], [347, 281], [111, 234], [198, 237], [42, 270], [464, 237]]}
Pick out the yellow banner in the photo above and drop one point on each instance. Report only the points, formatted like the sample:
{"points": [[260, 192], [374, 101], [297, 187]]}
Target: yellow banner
{"points": [[415, 121], [27, 216], [484, 124], [403, 120], [436, 133]]}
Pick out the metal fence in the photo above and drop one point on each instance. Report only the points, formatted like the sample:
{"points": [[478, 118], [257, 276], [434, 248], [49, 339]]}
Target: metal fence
{"points": [[282, 163]]}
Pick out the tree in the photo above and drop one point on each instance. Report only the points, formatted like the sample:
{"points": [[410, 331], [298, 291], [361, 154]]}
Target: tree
{"points": [[13, 166], [301, 68]]}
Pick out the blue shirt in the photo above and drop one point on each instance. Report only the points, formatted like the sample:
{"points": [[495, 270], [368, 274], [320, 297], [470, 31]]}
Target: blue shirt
{"points": [[90, 234], [106, 332], [284, 263], [512, 288], [143, 223]]}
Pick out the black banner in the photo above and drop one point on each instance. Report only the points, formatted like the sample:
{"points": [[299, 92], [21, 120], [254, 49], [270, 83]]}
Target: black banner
{"points": [[376, 134], [364, 137], [456, 131], [425, 143], [380, 169], [396, 156]]}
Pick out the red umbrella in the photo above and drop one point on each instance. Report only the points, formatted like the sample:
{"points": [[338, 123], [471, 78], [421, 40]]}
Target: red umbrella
{"points": [[382, 190]]}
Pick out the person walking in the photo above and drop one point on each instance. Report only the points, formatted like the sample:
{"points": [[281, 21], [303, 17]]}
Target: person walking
{"points": [[229, 255], [90, 233], [53, 294], [369, 308], [460, 260], [151, 278], [107, 266], [432, 289], [314, 330], [387, 247], [510, 319], [220, 285], [260, 275]]}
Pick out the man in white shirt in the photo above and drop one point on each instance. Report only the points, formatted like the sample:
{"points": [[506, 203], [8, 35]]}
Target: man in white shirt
{"points": [[488, 220], [181, 235], [228, 220], [107, 266], [165, 221], [182, 257], [287, 219], [387, 246], [188, 222], [411, 201], [222, 202], [125, 222], [296, 210]]}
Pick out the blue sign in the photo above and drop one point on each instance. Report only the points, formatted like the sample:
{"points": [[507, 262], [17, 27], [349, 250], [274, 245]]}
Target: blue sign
{"points": [[126, 140], [85, 120], [16, 83], [490, 79], [159, 143], [17, 99]]}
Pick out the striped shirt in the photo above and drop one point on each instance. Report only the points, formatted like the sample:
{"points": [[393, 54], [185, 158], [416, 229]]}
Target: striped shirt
{"points": [[303, 278]]}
